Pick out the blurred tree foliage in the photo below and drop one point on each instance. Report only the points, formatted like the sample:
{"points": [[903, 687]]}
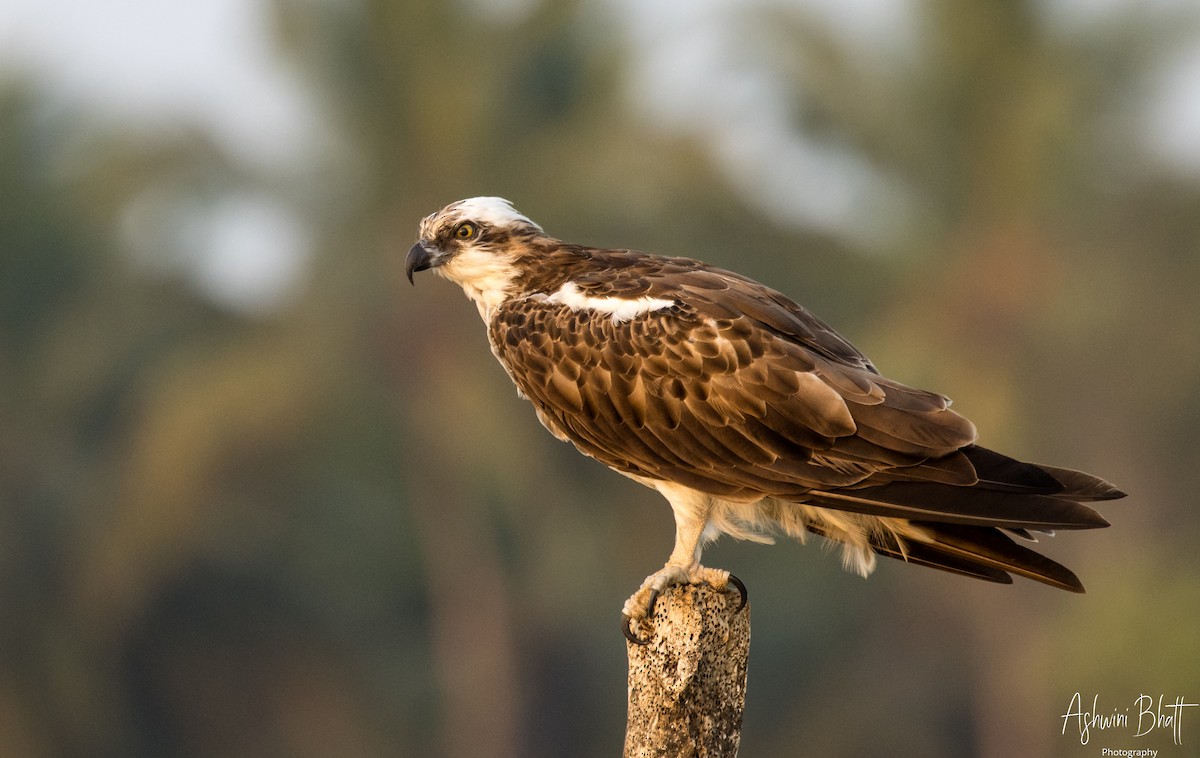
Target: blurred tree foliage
{"points": [[334, 530]]}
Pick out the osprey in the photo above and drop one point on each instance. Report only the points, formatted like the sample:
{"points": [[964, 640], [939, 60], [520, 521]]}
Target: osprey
{"points": [[745, 411]]}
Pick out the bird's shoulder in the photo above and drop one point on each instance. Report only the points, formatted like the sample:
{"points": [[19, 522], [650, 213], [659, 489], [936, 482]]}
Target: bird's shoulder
{"points": [[700, 293]]}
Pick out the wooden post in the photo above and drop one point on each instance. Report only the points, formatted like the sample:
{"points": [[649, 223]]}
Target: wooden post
{"points": [[687, 684]]}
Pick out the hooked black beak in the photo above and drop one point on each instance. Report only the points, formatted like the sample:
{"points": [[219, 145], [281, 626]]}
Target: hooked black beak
{"points": [[419, 258]]}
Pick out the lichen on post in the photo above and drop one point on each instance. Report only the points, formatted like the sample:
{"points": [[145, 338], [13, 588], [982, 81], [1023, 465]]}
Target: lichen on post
{"points": [[687, 684]]}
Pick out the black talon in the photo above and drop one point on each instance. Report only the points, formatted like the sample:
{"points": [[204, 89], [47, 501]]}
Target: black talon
{"points": [[650, 605], [629, 635], [625, 628], [742, 589]]}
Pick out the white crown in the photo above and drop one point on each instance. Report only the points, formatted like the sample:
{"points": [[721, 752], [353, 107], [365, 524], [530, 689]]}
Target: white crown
{"points": [[495, 211]]}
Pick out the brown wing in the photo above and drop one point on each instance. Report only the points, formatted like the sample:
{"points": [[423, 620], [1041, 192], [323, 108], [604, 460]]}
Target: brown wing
{"points": [[739, 392], [720, 403]]}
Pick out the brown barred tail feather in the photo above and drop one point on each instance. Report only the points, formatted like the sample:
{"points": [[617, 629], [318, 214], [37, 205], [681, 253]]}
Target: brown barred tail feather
{"points": [[979, 552]]}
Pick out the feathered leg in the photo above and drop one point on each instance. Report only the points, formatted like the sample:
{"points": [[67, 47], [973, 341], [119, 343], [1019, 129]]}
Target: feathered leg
{"points": [[692, 510]]}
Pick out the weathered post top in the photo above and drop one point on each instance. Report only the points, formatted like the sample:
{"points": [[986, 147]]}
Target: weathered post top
{"points": [[687, 684]]}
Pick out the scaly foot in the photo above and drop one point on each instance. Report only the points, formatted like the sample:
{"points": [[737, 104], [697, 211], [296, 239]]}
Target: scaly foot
{"points": [[641, 604]]}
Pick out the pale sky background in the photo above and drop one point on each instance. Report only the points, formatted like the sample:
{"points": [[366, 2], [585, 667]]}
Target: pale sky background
{"points": [[154, 62]]}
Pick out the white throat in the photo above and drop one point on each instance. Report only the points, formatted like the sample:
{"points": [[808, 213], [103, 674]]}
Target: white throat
{"points": [[485, 278]]}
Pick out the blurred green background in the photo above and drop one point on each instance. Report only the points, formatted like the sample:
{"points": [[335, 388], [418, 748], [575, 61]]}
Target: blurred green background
{"points": [[259, 497]]}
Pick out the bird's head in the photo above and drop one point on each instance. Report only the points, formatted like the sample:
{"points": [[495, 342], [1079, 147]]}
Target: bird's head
{"points": [[475, 243]]}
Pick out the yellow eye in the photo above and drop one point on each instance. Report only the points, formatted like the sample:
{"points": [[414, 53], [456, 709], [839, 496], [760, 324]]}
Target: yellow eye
{"points": [[465, 231]]}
